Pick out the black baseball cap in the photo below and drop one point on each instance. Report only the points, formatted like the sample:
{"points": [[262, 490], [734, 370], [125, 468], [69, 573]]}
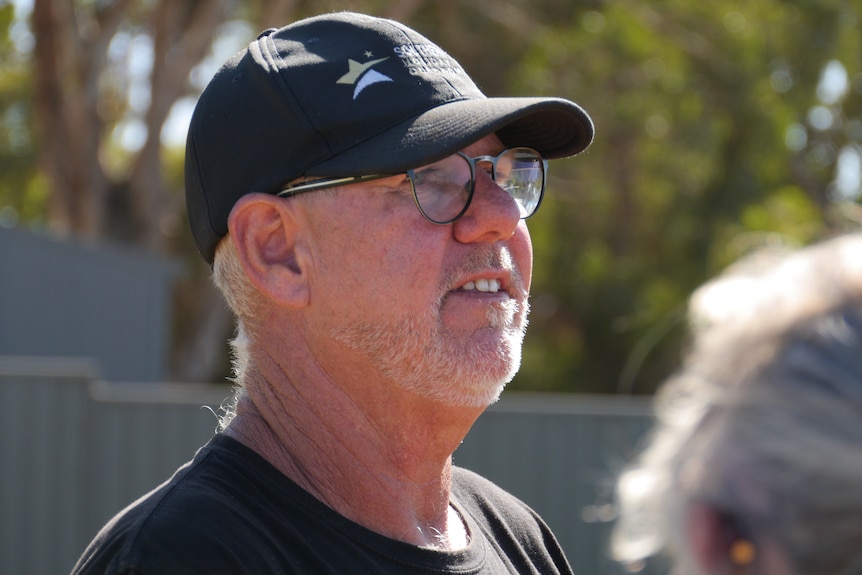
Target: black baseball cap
{"points": [[347, 94]]}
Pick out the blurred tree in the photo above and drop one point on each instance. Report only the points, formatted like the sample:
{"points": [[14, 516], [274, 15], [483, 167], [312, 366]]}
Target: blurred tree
{"points": [[81, 94], [720, 127], [19, 184], [705, 149]]}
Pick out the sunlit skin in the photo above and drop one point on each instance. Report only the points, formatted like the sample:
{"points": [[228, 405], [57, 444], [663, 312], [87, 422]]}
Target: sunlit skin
{"points": [[369, 437], [408, 278]]}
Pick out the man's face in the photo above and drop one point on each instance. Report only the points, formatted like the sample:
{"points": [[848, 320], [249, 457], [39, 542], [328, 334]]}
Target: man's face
{"points": [[438, 309]]}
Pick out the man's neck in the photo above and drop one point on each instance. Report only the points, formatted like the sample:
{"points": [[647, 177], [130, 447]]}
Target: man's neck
{"points": [[382, 460]]}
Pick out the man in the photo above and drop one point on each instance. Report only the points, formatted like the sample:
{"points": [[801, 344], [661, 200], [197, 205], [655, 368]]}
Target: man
{"points": [[362, 205]]}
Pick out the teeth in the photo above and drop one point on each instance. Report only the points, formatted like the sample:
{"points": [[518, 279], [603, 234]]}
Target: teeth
{"points": [[483, 285]]}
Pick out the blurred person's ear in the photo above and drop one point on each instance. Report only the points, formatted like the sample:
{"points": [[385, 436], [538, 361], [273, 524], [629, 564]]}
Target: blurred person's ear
{"points": [[716, 540]]}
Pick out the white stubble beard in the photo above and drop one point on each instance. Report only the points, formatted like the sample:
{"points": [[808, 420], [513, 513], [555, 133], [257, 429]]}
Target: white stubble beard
{"points": [[420, 354]]}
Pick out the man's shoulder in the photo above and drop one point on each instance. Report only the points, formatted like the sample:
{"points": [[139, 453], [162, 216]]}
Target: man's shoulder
{"points": [[471, 486], [511, 525], [495, 508], [193, 518], [204, 491]]}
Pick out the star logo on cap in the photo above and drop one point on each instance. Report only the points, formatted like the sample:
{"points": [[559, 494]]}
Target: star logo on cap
{"points": [[361, 75]]}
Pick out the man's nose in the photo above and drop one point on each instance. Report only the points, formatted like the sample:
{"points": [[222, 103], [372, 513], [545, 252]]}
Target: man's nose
{"points": [[493, 214]]}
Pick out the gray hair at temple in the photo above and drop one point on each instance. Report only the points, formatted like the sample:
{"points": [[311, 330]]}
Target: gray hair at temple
{"points": [[762, 424]]}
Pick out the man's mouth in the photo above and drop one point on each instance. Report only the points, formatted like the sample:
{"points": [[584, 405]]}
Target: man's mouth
{"points": [[482, 285]]}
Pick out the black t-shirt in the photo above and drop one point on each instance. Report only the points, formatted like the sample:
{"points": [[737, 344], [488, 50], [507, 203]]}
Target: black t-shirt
{"points": [[230, 511]]}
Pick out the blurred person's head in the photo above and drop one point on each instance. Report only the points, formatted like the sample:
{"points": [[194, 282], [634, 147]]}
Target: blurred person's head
{"points": [[755, 463]]}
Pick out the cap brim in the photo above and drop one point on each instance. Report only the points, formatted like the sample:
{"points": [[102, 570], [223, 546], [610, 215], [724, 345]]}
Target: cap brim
{"points": [[556, 127]]}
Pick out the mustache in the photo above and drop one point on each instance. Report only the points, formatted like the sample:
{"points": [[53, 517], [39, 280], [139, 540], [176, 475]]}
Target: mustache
{"points": [[481, 260]]}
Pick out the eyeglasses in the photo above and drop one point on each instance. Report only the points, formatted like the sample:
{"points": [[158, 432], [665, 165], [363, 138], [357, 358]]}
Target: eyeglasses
{"points": [[443, 190]]}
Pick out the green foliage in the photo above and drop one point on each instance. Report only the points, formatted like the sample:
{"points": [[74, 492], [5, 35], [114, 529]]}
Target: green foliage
{"points": [[704, 151], [690, 170], [22, 189]]}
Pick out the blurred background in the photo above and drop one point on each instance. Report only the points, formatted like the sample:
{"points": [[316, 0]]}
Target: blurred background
{"points": [[721, 127]]}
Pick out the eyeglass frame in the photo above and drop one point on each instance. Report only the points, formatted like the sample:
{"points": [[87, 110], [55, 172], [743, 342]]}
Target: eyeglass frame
{"points": [[327, 183]]}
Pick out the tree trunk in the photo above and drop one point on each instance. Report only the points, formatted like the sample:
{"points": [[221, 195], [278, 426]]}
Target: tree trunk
{"points": [[69, 126], [182, 34]]}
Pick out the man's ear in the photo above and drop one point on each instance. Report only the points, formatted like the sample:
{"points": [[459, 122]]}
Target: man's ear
{"points": [[266, 235]]}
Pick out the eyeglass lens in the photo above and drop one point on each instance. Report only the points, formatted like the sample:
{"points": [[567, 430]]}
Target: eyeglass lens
{"points": [[444, 189]]}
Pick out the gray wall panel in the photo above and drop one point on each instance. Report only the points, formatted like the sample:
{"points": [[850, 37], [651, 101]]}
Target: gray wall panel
{"points": [[561, 454], [76, 450], [76, 299], [43, 479]]}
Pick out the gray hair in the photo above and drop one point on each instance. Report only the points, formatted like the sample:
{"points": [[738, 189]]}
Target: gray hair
{"points": [[247, 305], [764, 419], [244, 300]]}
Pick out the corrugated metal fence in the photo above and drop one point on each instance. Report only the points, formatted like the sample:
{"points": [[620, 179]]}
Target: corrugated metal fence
{"points": [[86, 299], [75, 450]]}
